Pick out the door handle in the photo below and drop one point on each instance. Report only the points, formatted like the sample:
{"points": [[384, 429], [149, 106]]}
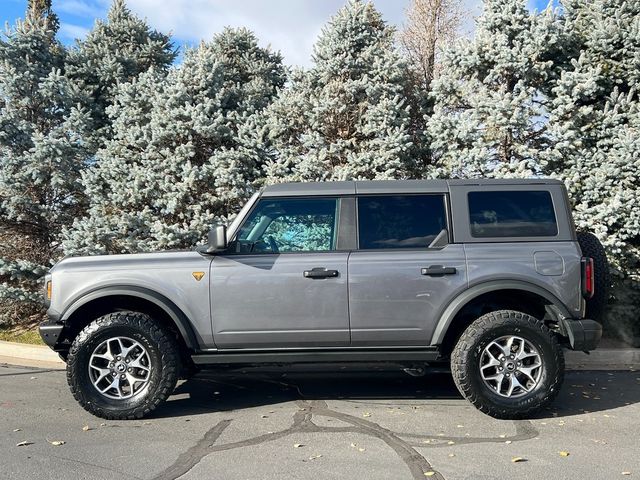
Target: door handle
{"points": [[438, 270], [320, 272]]}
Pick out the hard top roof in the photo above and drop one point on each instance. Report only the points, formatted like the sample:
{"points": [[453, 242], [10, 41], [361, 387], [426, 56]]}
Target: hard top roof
{"points": [[390, 186]]}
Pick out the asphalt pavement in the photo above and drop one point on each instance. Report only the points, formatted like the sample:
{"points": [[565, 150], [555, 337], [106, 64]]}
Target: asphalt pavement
{"points": [[353, 424]]}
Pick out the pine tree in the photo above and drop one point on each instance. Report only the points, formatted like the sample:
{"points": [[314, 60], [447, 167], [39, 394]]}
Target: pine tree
{"points": [[595, 121], [183, 153], [40, 12], [492, 95], [41, 155], [348, 116], [115, 51]]}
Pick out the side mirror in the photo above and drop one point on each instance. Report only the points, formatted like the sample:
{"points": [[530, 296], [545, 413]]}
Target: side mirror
{"points": [[217, 240]]}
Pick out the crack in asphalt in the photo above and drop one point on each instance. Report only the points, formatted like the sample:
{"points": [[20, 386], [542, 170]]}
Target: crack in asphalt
{"points": [[417, 464], [189, 459]]}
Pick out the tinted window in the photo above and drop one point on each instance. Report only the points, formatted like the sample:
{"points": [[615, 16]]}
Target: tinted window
{"points": [[289, 225], [408, 221], [512, 214]]}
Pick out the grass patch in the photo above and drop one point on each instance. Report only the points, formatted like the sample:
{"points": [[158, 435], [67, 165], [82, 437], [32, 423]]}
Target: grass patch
{"points": [[31, 337]]}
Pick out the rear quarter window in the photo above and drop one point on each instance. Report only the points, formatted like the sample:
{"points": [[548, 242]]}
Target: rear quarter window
{"points": [[512, 214]]}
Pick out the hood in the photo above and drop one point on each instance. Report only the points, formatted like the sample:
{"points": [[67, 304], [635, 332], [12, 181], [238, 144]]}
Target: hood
{"points": [[124, 262]]}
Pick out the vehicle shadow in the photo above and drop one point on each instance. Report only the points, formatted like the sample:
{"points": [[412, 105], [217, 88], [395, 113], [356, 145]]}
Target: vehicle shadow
{"points": [[211, 391]]}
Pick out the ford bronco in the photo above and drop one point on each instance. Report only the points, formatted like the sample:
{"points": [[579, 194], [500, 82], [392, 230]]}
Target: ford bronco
{"points": [[488, 276]]}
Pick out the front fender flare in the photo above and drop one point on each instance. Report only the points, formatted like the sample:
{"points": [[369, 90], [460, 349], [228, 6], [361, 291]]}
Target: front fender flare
{"points": [[179, 319], [468, 295]]}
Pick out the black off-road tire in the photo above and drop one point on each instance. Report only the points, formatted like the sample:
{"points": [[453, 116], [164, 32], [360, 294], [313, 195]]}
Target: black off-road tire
{"points": [[465, 364], [164, 359], [591, 247]]}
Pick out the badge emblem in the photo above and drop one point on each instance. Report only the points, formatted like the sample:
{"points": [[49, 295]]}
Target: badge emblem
{"points": [[198, 275]]}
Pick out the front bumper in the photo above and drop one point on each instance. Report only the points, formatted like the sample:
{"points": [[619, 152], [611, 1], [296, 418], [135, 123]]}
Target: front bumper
{"points": [[51, 329], [584, 335]]}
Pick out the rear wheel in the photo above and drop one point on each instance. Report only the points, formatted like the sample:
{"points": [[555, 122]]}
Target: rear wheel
{"points": [[508, 364], [122, 366]]}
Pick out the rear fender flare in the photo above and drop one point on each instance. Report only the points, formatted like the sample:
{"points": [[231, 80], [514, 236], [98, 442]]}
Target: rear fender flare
{"points": [[468, 295]]}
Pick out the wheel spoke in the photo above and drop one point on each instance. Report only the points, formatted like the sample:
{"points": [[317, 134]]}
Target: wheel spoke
{"points": [[493, 361]]}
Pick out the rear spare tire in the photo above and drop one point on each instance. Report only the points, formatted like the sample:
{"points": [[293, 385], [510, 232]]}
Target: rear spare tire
{"points": [[591, 247]]}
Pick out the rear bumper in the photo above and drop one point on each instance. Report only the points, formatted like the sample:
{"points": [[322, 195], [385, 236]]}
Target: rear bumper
{"points": [[584, 335]]}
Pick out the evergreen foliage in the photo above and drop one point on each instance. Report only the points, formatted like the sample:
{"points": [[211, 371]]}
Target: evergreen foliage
{"points": [[183, 153], [115, 51], [491, 97], [348, 117], [595, 119], [41, 155]]}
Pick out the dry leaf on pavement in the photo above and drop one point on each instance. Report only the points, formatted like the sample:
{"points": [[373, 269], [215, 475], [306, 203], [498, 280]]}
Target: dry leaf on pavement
{"points": [[518, 459], [564, 454]]}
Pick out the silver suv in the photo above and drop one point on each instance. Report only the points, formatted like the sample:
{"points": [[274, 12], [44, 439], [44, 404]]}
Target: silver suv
{"points": [[488, 275]]}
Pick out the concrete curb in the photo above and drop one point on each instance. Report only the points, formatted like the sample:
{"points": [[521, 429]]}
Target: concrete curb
{"points": [[604, 359], [29, 355], [601, 359]]}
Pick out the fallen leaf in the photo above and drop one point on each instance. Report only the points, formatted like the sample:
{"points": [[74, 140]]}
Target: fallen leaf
{"points": [[361, 449], [103, 424], [33, 378], [366, 414], [563, 453], [450, 442], [86, 428], [518, 459], [17, 429], [264, 416], [626, 473], [502, 436], [353, 445], [459, 426], [24, 444], [452, 455], [429, 474], [298, 445], [313, 457], [508, 442], [57, 443]]}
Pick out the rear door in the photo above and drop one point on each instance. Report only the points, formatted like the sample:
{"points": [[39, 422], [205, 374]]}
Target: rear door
{"points": [[404, 271], [284, 282]]}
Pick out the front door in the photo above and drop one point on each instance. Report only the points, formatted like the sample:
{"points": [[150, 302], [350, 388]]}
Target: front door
{"points": [[283, 284], [404, 270]]}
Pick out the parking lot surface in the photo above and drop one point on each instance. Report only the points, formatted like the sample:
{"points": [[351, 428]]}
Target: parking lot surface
{"points": [[314, 424]]}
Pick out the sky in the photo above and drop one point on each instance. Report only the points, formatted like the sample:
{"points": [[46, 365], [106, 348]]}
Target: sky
{"points": [[290, 26]]}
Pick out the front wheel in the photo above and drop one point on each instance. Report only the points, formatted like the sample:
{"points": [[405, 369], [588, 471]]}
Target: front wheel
{"points": [[508, 364], [122, 366]]}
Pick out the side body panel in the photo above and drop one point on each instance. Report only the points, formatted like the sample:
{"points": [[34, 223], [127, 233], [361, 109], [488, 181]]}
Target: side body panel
{"points": [[530, 262], [168, 274], [264, 301], [392, 302]]}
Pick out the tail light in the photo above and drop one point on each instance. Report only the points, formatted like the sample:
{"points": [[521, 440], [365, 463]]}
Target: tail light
{"points": [[588, 280]]}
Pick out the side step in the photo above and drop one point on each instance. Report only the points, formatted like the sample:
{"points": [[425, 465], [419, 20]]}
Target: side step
{"points": [[429, 354]]}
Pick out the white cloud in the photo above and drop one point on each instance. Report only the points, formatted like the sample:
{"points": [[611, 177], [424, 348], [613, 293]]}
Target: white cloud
{"points": [[72, 32], [291, 26]]}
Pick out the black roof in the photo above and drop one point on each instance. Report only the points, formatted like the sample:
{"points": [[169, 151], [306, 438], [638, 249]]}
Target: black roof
{"points": [[391, 186]]}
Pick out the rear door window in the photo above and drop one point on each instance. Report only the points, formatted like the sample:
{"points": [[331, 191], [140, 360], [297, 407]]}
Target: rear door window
{"points": [[400, 221], [512, 214]]}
